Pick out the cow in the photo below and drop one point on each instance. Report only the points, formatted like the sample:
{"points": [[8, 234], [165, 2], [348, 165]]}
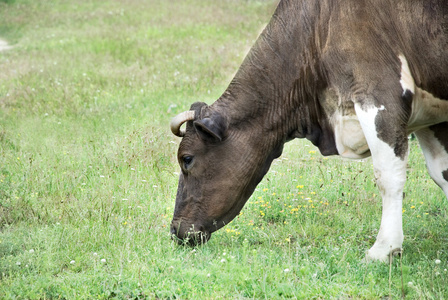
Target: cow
{"points": [[354, 77]]}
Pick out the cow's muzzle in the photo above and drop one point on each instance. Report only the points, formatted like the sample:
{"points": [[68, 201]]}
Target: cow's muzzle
{"points": [[185, 233]]}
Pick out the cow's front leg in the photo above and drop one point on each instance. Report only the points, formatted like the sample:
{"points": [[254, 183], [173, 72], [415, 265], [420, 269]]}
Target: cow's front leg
{"points": [[389, 149]]}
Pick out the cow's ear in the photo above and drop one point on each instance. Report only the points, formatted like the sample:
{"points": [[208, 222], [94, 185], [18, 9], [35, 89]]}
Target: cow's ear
{"points": [[211, 128]]}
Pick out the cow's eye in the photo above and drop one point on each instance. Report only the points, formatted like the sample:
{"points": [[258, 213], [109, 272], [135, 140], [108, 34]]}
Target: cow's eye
{"points": [[187, 159]]}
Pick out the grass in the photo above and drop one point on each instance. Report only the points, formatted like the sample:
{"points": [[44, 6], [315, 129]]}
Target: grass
{"points": [[88, 169]]}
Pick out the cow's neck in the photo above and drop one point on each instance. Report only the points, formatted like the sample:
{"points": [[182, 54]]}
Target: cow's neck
{"points": [[275, 92]]}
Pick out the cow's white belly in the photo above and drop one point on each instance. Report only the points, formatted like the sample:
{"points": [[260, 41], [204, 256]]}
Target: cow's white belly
{"points": [[427, 110]]}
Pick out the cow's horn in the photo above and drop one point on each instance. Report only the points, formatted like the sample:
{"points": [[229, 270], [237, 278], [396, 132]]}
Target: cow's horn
{"points": [[180, 119]]}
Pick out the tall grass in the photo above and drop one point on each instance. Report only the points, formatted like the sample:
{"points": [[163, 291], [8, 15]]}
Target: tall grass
{"points": [[88, 169]]}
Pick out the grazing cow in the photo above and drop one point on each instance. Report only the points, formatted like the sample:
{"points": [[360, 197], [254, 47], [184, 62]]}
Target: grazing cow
{"points": [[355, 77]]}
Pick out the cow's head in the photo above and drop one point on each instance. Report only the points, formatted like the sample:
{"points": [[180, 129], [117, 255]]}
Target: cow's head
{"points": [[220, 168]]}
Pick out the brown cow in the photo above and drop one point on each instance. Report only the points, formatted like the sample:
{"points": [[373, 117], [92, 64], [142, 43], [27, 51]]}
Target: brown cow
{"points": [[355, 77]]}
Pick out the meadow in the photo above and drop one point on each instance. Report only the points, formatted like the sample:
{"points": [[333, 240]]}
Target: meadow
{"points": [[88, 169]]}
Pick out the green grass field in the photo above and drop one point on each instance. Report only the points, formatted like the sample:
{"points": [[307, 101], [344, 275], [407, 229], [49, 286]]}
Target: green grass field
{"points": [[88, 170]]}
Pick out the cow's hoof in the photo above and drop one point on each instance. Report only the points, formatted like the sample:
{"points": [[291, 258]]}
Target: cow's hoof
{"points": [[383, 254]]}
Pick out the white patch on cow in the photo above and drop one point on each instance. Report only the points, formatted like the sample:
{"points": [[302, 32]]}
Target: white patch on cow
{"points": [[406, 80], [381, 107], [427, 110], [390, 173], [435, 155]]}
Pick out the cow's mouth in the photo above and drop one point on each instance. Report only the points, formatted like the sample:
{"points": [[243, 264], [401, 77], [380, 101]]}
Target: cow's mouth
{"points": [[187, 235]]}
